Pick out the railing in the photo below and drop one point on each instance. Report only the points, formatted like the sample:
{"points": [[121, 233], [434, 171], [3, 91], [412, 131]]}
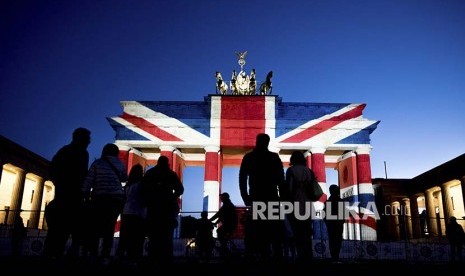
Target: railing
{"points": [[427, 249]]}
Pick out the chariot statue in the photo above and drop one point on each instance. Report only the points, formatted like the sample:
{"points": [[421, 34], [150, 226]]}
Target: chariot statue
{"points": [[241, 83]]}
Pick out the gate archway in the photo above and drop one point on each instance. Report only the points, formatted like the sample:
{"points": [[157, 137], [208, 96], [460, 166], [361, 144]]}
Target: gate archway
{"points": [[219, 130]]}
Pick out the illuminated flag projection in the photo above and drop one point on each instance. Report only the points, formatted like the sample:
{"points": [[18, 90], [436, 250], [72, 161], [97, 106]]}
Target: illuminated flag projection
{"points": [[218, 130], [234, 121]]}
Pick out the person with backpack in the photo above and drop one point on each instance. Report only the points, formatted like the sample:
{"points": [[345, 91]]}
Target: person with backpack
{"points": [[161, 188], [104, 193], [297, 176]]}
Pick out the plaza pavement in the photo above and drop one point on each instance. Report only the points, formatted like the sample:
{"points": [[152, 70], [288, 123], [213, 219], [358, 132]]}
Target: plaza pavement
{"points": [[183, 266]]}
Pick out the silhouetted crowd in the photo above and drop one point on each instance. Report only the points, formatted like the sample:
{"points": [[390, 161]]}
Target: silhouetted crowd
{"points": [[89, 200]]}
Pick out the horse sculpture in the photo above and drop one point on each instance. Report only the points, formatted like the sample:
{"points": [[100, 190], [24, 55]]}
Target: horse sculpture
{"points": [[233, 83], [221, 86], [252, 83], [267, 85]]}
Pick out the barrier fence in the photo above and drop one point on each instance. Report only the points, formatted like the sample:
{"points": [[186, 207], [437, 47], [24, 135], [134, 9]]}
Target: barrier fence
{"points": [[428, 249]]}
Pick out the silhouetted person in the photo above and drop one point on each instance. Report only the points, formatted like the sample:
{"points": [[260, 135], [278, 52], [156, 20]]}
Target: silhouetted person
{"points": [[261, 176], [455, 236], [162, 188], [133, 219], [289, 246], [68, 169], [334, 219], [103, 187], [227, 218], [204, 241], [18, 235], [297, 176]]}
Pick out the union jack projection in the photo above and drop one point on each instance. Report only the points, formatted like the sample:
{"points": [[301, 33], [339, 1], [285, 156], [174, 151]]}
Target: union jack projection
{"points": [[234, 121], [231, 123]]}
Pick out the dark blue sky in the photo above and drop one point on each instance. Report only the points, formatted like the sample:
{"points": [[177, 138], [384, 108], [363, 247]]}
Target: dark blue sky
{"points": [[65, 64]]}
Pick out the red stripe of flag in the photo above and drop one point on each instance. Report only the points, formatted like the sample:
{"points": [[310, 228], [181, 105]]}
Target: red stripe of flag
{"points": [[325, 125], [150, 128], [242, 118], [369, 221]]}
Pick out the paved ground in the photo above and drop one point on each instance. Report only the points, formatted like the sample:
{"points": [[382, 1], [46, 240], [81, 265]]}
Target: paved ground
{"points": [[39, 265]]}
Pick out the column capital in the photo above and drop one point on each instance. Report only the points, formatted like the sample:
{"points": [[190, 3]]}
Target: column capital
{"points": [[124, 147], [167, 148], [314, 150], [363, 150], [212, 149], [405, 200], [274, 149], [36, 177]]}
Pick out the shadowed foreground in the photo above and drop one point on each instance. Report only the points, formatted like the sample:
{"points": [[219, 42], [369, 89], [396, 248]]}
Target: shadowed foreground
{"points": [[238, 267]]}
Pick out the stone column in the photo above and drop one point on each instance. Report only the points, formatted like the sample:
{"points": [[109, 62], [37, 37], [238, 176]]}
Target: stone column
{"points": [[347, 176], [1, 170], [178, 164], [2, 212], [212, 179], [440, 220], [319, 168], [125, 155], [394, 225], [431, 213], [318, 165], [17, 195], [168, 152], [462, 184], [447, 202], [415, 217], [36, 203], [366, 195], [405, 208]]}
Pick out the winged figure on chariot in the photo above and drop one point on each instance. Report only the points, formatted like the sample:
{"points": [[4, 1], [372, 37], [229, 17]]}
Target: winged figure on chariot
{"points": [[241, 83]]}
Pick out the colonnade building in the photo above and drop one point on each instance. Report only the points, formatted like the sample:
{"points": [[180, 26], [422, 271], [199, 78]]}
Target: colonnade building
{"points": [[421, 207], [24, 185]]}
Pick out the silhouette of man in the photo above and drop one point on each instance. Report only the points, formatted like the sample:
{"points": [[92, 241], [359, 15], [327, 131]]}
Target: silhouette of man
{"points": [[68, 169], [456, 236], [261, 176], [162, 188], [19, 233], [334, 219]]}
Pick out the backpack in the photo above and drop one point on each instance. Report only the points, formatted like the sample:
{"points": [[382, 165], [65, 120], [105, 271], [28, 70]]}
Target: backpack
{"points": [[313, 189], [310, 187]]}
